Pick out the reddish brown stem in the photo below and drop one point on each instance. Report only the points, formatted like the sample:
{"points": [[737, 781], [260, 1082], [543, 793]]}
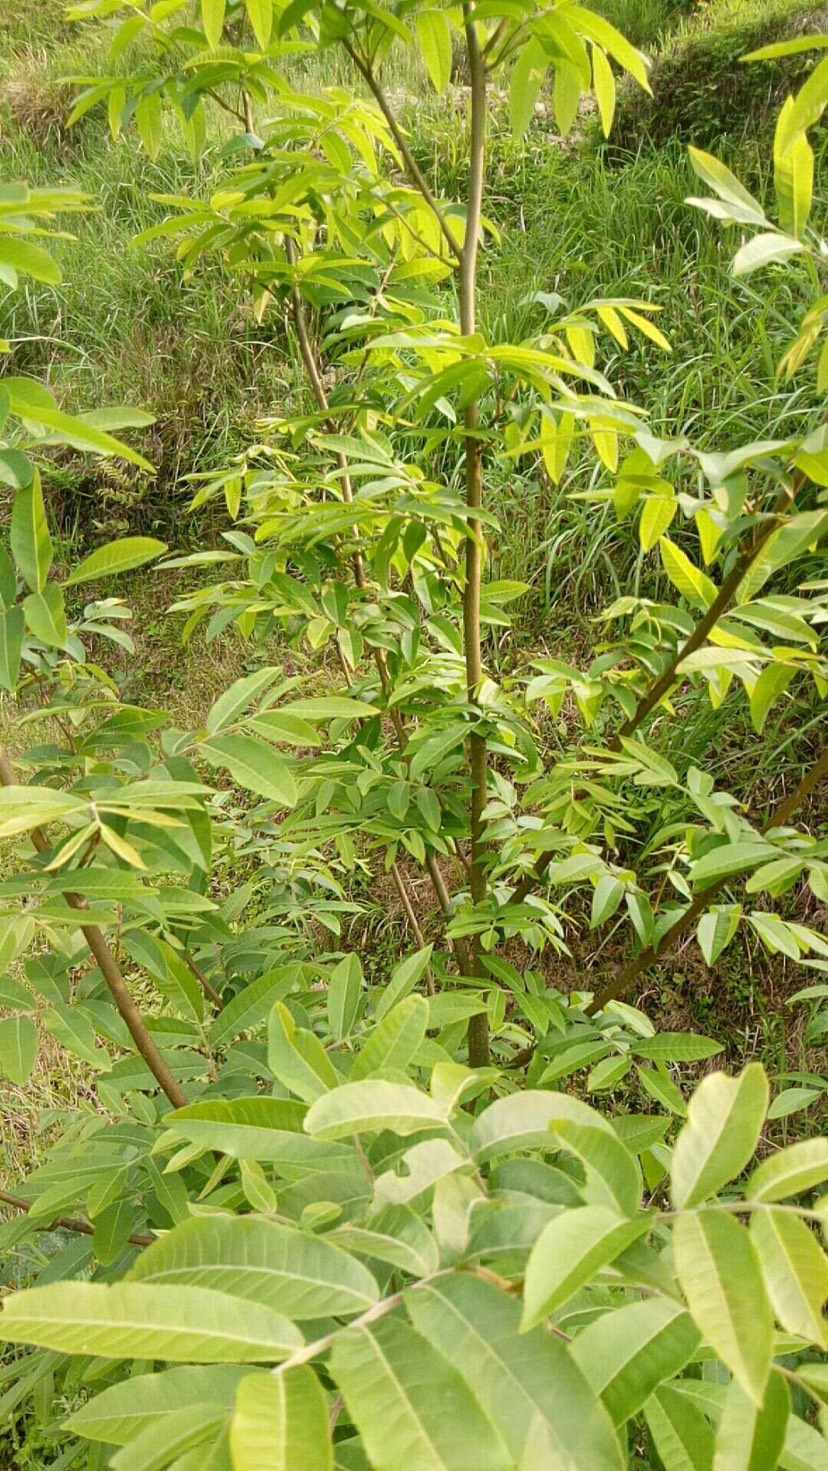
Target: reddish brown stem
{"points": [[66, 1223]]}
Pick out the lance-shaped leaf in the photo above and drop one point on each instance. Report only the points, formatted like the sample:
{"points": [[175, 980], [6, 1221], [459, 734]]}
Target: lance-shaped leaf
{"points": [[18, 1048], [569, 1251], [31, 543], [372, 1106], [394, 1042], [751, 1437], [720, 1275], [253, 765], [795, 1269], [286, 1269], [724, 1121], [248, 1010], [790, 1172], [124, 1410], [625, 1354], [178, 1433], [681, 1432], [410, 1404], [142, 1320], [118, 556], [281, 1423], [519, 1377]]}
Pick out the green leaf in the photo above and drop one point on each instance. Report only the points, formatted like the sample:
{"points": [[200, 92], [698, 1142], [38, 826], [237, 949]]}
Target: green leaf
{"points": [[117, 556], [46, 616], [795, 1269], [680, 1430], [764, 250], [178, 1433], [719, 1272], [434, 37], [18, 1048], [792, 1171], [404, 978], [12, 630], [524, 89], [569, 1251], [22, 808], [112, 1230], [395, 1040], [603, 84], [725, 184], [656, 517], [75, 1033], [281, 1423], [252, 765], [410, 1404], [212, 19], [805, 1449], [608, 894], [724, 1122], [370, 1107], [716, 929], [731, 858], [693, 584], [21, 255], [267, 1129], [329, 707], [281, 1267], [518, 1377], [663, 1090], [30, 541], [247, 1011], [138, 1320], [297, 1058], [750, 1438], [344, 993], [238, 698], [793, 1100], [772, 682], [123, 1411], [627, 1353], [676, 1047], [260, 13]]}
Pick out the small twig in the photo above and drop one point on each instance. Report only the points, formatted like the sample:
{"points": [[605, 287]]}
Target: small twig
{"points": [[410, 915], [66, 1223], [206, 986]]}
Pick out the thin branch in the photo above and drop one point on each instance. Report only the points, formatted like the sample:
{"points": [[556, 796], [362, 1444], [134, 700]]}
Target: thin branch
{"points": [[627, 977], [66, 1223], [206, 986], [478, 1032], [405, 900], [110, 971], [413, 169]]}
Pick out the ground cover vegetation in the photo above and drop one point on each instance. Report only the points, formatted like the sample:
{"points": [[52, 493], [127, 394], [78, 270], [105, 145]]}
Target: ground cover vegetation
{"points": [[429, 1206]]}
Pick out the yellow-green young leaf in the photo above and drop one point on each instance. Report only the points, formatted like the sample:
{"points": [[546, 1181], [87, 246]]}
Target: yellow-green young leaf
{"points": [[772, 682], [518, 1377], [767, 249], [22, 808], [18, 1050], [118, 556], [396, 1040], [791, 1172], [809, 105], [716, 929], [692, 583], [571, 1248], [344, 992], [603, 83], [260, 13], [253, 765], [12, 629], [725, 184], [121, 1413], [281, 1423], [566, 96], [647, 328], [793, 177], [556, 443], [249, 1009], [371, 1107], [258, 1190], [149, 120], [795, 1269], [626, 1353], [212, 19], [135, 1319], [20, 255], [750, 1438], [720, 1276], [434, 37], [681, 1432], [527, 79], [31, 543], [297, 1058], [724, 1121], [284, 1269], [46, 616], [595, 28], [410, 1404], [656, 516]]}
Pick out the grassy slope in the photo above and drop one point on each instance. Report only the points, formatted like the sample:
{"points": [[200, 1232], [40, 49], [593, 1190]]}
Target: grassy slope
{"points": [[125, 327]]}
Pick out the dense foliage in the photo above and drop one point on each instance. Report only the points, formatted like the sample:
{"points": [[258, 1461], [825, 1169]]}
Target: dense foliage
{"points": [[383, 1189]]}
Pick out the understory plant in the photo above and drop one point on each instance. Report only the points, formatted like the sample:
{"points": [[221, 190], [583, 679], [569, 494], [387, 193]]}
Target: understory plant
{"points": [[328, 1217]]}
